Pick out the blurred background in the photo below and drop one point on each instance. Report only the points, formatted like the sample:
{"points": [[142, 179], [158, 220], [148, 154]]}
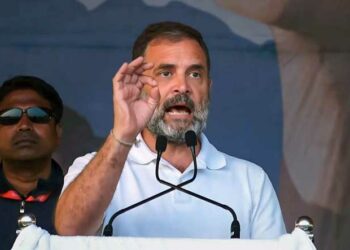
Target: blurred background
{"points": [[280, 96]]}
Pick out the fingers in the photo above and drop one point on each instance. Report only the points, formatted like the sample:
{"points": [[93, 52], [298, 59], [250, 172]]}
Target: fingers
{"points": [[138, 66], [153, 97], [137, 69], [120, 73], [132, 73], [145, 66], [147, 80]]}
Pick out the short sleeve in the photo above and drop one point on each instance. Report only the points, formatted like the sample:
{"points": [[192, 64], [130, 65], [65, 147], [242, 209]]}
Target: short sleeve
{"points": [[267, 220], [76, 168]]}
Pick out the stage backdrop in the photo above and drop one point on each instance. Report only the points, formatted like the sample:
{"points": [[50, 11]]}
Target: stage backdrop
{"points": [[280, 95]]}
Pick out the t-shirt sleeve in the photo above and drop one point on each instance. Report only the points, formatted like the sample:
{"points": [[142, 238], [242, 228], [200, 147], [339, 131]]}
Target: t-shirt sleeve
{"points": [[76, 168], [267, 220]]}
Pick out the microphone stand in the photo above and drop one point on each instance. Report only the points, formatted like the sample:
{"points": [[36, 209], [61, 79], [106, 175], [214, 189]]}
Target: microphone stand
{"points": [[161, 146], [235, 226]]}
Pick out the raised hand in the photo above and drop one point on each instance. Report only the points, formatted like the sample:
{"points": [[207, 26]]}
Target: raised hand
{"points": [[133, 110]]}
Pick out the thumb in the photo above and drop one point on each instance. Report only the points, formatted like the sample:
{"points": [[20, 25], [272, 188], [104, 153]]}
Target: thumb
{"points": [[153, 97]]}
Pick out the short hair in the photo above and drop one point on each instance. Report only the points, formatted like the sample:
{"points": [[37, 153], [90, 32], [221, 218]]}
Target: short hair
{"points": [[173, 31], [38, 85]]}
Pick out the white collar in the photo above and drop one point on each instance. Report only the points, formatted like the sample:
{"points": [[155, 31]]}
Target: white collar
{"points": [[208, 157]]}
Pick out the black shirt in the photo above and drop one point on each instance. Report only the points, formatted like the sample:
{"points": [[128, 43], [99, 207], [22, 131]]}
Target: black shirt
{"points": [[40, 202]]}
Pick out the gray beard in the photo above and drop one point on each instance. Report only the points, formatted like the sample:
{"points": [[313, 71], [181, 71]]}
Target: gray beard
{"points": [[176, 134]]}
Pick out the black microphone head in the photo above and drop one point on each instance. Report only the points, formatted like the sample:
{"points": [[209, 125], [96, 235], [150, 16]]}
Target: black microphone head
{"points": [[191, 138], [161, 143]]}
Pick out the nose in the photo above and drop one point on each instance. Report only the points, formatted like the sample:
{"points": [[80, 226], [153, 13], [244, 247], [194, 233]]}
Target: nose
{"points": [[181, 85], [24, 123]]}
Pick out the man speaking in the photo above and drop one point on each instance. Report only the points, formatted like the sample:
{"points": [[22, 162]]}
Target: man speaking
{"points": [[165, 91]]}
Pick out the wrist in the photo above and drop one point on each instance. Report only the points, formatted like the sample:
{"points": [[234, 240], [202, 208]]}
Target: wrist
{"points": [[124, 142]]}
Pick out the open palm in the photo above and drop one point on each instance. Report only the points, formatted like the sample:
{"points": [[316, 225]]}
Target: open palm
{"points": [[132, 110]]}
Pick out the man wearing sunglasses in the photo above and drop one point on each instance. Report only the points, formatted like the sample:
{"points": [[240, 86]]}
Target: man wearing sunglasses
{"points": [[165, 91], [30, 130]]}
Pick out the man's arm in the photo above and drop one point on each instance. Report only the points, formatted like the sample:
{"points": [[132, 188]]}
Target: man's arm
{"points": [[81, 206]]}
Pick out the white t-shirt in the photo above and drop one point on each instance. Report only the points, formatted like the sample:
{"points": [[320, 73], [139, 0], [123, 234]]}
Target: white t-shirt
{"points": [[237, 183]]}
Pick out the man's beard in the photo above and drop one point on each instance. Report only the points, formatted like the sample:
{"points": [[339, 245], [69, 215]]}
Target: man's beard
{"points": [[176, 133]]}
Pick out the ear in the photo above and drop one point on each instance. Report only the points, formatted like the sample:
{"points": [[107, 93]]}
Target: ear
{"points": [[210, 84]]}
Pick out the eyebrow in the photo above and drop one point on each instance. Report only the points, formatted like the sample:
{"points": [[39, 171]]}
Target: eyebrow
{"points": [[197, 67], [169, 66], [165, 66]]}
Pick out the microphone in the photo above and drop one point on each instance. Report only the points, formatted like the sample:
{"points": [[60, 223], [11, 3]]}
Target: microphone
{"points": [[161, 143], [191, 141]]}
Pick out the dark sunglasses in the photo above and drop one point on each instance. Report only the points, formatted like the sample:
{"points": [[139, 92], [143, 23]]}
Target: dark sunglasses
{"points": [[35, 114]]}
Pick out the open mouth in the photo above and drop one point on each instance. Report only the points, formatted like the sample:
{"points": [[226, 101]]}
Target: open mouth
{"points": [[178, 109]]}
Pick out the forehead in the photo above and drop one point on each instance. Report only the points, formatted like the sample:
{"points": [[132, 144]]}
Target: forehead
{"points": [[23, 98], [163, 50]]}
